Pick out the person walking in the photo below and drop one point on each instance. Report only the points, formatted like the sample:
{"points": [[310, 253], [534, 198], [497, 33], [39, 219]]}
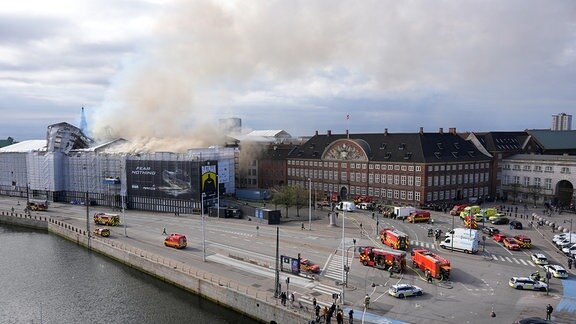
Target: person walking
{"points": [[366, 302], [302, 227], [570, 263], [164, 231], [429, 276], [292, 299], [351, 317], [339, 317], [549, 310]]}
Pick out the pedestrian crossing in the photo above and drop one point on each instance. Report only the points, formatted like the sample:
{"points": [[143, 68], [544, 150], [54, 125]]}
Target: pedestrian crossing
{"points": [[509, 259], [334, 268], [427, 245]]}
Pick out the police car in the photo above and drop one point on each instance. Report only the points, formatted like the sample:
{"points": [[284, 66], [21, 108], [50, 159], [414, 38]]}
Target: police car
{"points": [[539, 259], [527, 283], [557, 271], [404, 290]]}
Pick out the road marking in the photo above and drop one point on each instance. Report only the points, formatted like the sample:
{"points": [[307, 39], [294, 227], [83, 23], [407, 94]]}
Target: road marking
{"points": [[308, 300], [508, 259], [328, 290]]}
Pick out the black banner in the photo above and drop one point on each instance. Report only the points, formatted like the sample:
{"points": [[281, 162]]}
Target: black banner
{"points": [[163, 179]]}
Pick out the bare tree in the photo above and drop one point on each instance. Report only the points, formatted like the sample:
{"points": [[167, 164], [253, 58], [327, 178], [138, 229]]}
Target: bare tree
{"points": [[514, 189], [535, 192]]}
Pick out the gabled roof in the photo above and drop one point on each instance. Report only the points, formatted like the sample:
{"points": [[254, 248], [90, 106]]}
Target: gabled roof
{"points": [[25, 146], [554, 140], [400, 147]]}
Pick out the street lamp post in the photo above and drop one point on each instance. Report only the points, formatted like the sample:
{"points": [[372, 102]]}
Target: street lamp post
{"points": [[570, 233], [309, 204], [343, 251], [203, 232]]}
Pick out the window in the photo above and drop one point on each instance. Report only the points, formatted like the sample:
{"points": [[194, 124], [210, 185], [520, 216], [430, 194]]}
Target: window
{"points": [[390, 167], [417, 196], [526, 168], [358, 166], [418, 168], [410, 168], [371, 166], [435, 180], [377, 166], [565, 170], [430, 168], [417, 181], [396, 194], [363, 177], [352, 176], [537, 168], [435, 168], [389, 194], [429, 181], [537, 182], [403, 180], [352, 166], [548, 183], [410, 195], [390, 179], [403, 195], [526, 181], [403, 168], [374, 178], [506, 180], [396, 179], [343, 176], [396, 167], [548, 169], [364, 166], [516, 180], [410, 180]]}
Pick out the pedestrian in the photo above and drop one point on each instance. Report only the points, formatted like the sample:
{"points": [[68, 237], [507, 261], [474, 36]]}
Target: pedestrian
{"points": [[292, 299], [325, 312], [366, 301], [302, 226], [351, 317], [164, 231], [391, 271], [361, 229], [570, 263], [429, 276], [314, 302], [317, 312], [12, 209], [549, 310], [339, 317], [283, 298]]}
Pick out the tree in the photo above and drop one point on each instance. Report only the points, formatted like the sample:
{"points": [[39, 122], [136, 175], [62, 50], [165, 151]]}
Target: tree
{"points": [[300, 198], [535, 192], [283, 195]]}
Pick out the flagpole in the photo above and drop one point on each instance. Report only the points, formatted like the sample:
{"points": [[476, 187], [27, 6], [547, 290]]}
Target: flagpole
{"points": [[347, 128]]}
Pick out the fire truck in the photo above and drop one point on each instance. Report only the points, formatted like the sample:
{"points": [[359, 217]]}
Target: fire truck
{"points": [[419, 217], [457, 209], [470, 222], [177, 241], [106, 219], [394, 239], [383, 259], [425, 260]]}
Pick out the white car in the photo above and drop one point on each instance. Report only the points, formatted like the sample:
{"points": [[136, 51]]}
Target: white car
{"points": [[539, 259], [527, 283], [561, 237], [566, 243], [557, 271], [567, 250], [404, 290]]}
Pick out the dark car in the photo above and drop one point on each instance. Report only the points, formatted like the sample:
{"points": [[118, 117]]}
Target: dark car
{"points": [[490, 231], [533, 320], [500, 221], [516, 224]]}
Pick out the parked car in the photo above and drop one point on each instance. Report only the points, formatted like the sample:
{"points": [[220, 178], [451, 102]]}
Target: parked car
{"points": [[511, 244], [568, 249], [493, 217], [404, 290], [500, 221], [566, 243], [557, 271], [527, 283], [490, 231], [499, 237], [539, 259], [516, 224]]}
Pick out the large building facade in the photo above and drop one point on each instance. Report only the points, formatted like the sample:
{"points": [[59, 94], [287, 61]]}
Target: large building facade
{"points": [[400, 169]]}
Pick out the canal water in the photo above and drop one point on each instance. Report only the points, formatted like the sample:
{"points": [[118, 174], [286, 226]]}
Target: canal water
{"points": [[46, 279]]}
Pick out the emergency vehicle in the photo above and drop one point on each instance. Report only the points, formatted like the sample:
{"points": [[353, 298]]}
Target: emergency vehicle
{"points": [[457, 209], [438, 266], [470, 222], [106, 219], [37, 205], [383, 259], [177, 241], [104, 232], [394, 239], [524, 241], [419, 216]]}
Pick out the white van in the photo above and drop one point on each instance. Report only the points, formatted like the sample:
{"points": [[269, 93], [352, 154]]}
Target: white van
{"points": [[461, 243], [403, 212], [346, 206]]}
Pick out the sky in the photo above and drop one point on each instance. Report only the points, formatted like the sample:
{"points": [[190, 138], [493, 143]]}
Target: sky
{"points": [[157, 69]]}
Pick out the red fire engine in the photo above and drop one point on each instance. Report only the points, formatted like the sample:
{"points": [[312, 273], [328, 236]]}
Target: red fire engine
{"points": [[470, 222], [383, 259], [426, 260], [394, 239]]}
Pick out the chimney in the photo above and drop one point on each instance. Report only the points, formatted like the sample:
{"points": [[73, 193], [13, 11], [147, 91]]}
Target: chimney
{"points": [[421, 131], [441, 130], [329, 133], [385, 131], [316, 133], [452, 130]]}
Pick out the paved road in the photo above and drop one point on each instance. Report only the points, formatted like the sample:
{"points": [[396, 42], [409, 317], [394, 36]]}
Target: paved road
{"points": [[243, 253]]}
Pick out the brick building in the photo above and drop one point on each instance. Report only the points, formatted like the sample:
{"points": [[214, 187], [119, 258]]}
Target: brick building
{"points": [[393, 168]]}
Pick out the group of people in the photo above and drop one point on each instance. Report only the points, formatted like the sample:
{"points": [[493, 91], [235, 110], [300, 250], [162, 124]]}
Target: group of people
{"points": [[328, 313], [284, 297]]}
